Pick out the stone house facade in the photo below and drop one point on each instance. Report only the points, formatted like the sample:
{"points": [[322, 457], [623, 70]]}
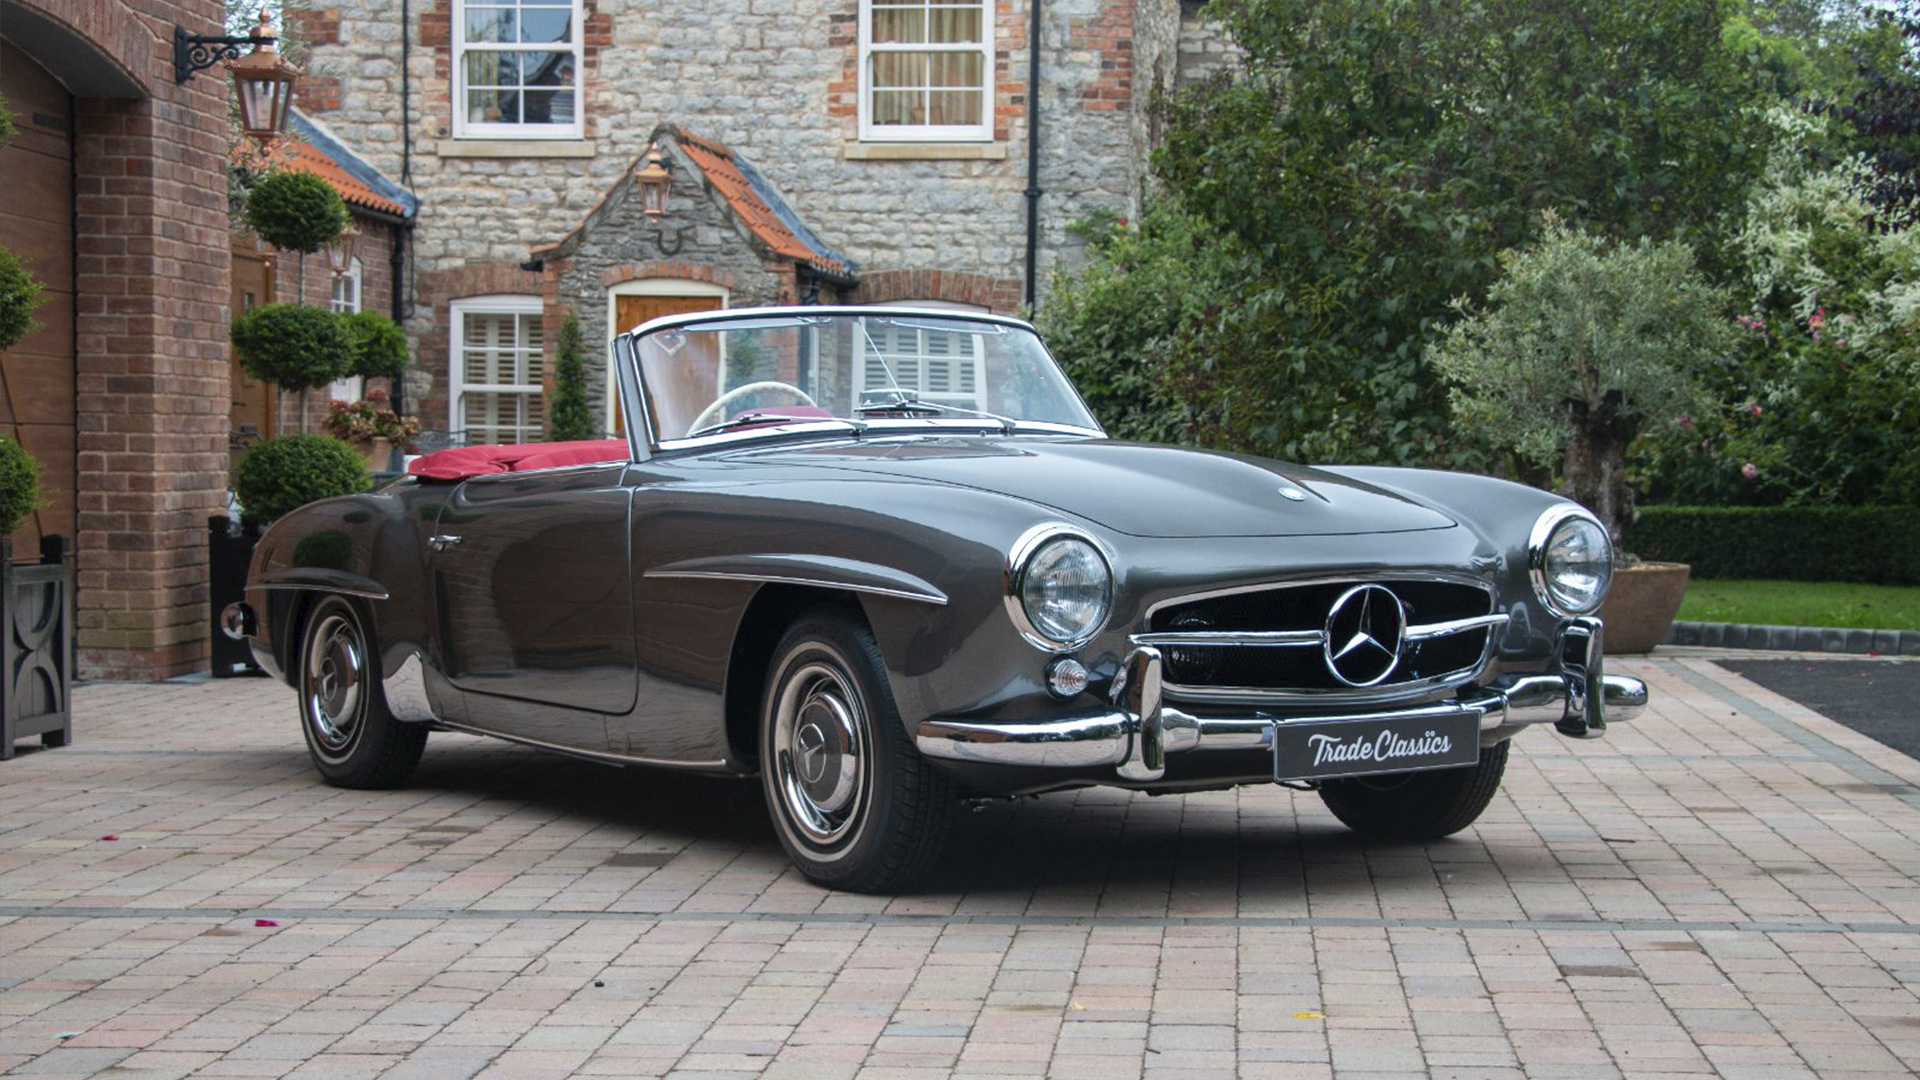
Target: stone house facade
{"points": [[891, 134]]}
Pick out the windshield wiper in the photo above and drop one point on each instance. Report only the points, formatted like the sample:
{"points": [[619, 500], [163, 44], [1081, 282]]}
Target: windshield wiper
{"points": [[899, 399]]}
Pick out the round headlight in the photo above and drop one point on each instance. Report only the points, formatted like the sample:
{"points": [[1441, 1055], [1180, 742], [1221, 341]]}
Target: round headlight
{"points": [[1063, 590], [1572, 561]]}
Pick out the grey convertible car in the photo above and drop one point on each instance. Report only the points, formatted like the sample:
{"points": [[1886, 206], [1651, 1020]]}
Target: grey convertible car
{"points": [[886, 560]]}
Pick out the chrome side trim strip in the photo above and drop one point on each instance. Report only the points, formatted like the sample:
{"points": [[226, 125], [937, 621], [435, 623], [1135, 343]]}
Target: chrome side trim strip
{"points": [[316, 586], [1282, 639], [936, 599], [604, 756]]}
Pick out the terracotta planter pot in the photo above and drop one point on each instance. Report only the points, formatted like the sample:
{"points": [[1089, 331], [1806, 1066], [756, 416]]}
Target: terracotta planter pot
{"points": [[1640, 606], [378, 452]]}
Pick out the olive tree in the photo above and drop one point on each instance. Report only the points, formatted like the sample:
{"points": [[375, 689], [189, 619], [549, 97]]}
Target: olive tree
{"points": [[1583, 341]]}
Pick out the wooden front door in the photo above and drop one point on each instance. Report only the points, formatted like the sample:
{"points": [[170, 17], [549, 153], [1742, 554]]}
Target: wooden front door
{"points": [[631, 311], [250, 418], [36, 223]]}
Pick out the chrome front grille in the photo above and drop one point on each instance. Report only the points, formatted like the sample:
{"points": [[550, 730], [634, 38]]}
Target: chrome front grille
{"points": [[1270, 641]]}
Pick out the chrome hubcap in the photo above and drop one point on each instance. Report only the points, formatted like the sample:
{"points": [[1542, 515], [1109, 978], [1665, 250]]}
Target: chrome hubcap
{"points": [[335, 666], [819, 757]]}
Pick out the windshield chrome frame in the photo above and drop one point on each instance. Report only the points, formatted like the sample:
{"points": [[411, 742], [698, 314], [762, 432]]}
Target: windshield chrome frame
{"points": [[626, 355]]}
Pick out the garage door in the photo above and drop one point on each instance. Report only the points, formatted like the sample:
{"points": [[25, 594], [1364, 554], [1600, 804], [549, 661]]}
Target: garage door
{"points": [[36, 224]]}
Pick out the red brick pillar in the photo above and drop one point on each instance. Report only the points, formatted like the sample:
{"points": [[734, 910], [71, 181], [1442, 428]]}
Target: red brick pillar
{"points": [[151, 379]]}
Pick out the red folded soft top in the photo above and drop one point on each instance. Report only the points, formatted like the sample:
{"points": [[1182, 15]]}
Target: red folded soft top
{"points": [[464, 461]]}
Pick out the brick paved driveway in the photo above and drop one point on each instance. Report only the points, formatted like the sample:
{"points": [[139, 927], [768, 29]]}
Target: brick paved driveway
{"points": [[1729, 886]]}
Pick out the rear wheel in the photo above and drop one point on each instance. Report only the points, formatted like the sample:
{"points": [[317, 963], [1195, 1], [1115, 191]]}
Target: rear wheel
{"points": [[854, 804], [351, 736], [1420, 805]]}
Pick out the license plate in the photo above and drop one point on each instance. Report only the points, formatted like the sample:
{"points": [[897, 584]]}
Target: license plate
{"points": [[1367, 745]]}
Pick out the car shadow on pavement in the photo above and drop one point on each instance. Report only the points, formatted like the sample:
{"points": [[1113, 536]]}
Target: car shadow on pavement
{"points": [[1105, 839]]}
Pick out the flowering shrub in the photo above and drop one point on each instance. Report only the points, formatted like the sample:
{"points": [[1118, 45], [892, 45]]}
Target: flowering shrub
{"points": [[369, 419], [1818, 403]]}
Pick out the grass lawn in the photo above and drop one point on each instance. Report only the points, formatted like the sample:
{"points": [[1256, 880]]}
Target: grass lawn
{"points": [[1803, 603]]}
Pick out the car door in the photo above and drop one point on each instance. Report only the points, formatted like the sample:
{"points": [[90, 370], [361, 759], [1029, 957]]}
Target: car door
{"points": [[533, 588]]}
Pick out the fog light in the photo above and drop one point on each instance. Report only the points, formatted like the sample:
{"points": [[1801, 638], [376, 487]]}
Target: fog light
{"points": [[1066, 677]]}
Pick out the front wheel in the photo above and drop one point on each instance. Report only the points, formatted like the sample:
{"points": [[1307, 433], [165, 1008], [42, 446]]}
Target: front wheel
{"points": [[855, 805], [351, 736], [1420, 805]]}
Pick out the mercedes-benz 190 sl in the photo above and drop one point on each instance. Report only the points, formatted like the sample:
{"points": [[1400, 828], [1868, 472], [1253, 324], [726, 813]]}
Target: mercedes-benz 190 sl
{"points": [[887, 560]]}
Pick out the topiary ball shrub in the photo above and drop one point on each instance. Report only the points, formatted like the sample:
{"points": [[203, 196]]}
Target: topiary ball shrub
{"points": [[292, 346], [297, 211], [379, 345], [19, 295], [19, 485], [281, 475]]}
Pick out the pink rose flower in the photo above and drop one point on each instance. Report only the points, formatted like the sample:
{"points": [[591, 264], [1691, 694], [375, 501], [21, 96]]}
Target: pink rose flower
{"points": [[1749, 470]]}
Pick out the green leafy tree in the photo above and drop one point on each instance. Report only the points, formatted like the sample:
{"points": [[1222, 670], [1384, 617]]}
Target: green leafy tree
{"points": [[1583, 343], [568, 416], [379, 345], [281, 475], [297, 211], [294, 347], [1136, 328], [20, 295], [19, 485], [1374, 156]]}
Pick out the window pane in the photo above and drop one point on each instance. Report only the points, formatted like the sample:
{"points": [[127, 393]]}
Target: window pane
{"points": [[954, 69], [493, 106], [493, 69], [899, 69], [908, 25], [951, 107], [489, 24], [953, 26], [546, 3], [545, 26], [546, 68], [548, 106], [897, 106]]}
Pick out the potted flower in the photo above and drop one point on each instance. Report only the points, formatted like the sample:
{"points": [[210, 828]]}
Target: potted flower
{"points": [[1582, 344], [372, 428]]}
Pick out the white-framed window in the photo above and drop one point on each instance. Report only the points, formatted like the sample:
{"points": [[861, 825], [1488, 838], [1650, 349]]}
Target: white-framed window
{"points": [[941, 366], [926, 70], [345, 299], [495, 373], [516, 69]]}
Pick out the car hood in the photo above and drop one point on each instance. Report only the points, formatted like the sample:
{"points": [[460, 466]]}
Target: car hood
{"points": [[1141, 490]]}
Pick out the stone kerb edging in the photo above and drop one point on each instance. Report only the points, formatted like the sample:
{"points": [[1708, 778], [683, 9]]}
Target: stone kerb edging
{"points": [[1826, 639]]}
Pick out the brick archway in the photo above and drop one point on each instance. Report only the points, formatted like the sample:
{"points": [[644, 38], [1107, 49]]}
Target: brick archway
{"points": [[999, 295], [97, 50]]}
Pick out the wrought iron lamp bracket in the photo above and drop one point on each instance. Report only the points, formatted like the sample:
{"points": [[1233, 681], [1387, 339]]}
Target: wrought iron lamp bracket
{"points": [[198, 52]]}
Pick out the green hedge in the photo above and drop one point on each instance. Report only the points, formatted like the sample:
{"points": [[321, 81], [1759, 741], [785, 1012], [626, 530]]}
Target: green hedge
{"points": [[1877, 545]]}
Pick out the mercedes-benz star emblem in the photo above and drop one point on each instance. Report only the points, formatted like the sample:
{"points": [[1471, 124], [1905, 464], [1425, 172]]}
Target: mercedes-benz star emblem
{"points": [[813, 753], [1363, 635]]}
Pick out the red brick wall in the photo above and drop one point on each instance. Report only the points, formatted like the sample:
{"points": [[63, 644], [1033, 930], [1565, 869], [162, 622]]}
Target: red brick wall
{"points": [[1001, 295], [153, 280], [318, 91]]}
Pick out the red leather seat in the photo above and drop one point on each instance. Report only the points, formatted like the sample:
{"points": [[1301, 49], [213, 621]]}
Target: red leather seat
{"points": [[461, 462]]}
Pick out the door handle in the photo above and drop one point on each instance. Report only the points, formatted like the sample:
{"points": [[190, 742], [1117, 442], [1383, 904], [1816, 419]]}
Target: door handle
{"points": [[443, 543]]}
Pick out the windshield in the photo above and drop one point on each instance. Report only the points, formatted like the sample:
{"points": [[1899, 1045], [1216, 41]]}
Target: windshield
{"points": [[874, 370]]}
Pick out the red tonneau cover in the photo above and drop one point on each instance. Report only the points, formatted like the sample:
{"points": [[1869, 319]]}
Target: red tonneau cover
{"points": [[464, 461]]}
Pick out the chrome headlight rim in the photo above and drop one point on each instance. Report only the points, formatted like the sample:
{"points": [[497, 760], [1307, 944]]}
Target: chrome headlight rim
{"points": [[1020, 559], [1541, 541]]}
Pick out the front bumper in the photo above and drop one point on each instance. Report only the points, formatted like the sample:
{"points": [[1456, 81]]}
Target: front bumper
{"points": [[1136, 733]]}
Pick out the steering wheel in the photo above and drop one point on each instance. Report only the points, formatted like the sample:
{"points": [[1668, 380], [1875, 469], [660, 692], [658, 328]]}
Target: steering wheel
{"points": [[720, 403]]}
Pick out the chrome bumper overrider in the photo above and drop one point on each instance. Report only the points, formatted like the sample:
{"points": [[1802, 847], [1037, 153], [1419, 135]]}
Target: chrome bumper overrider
{"points": [[1138, 730]]}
